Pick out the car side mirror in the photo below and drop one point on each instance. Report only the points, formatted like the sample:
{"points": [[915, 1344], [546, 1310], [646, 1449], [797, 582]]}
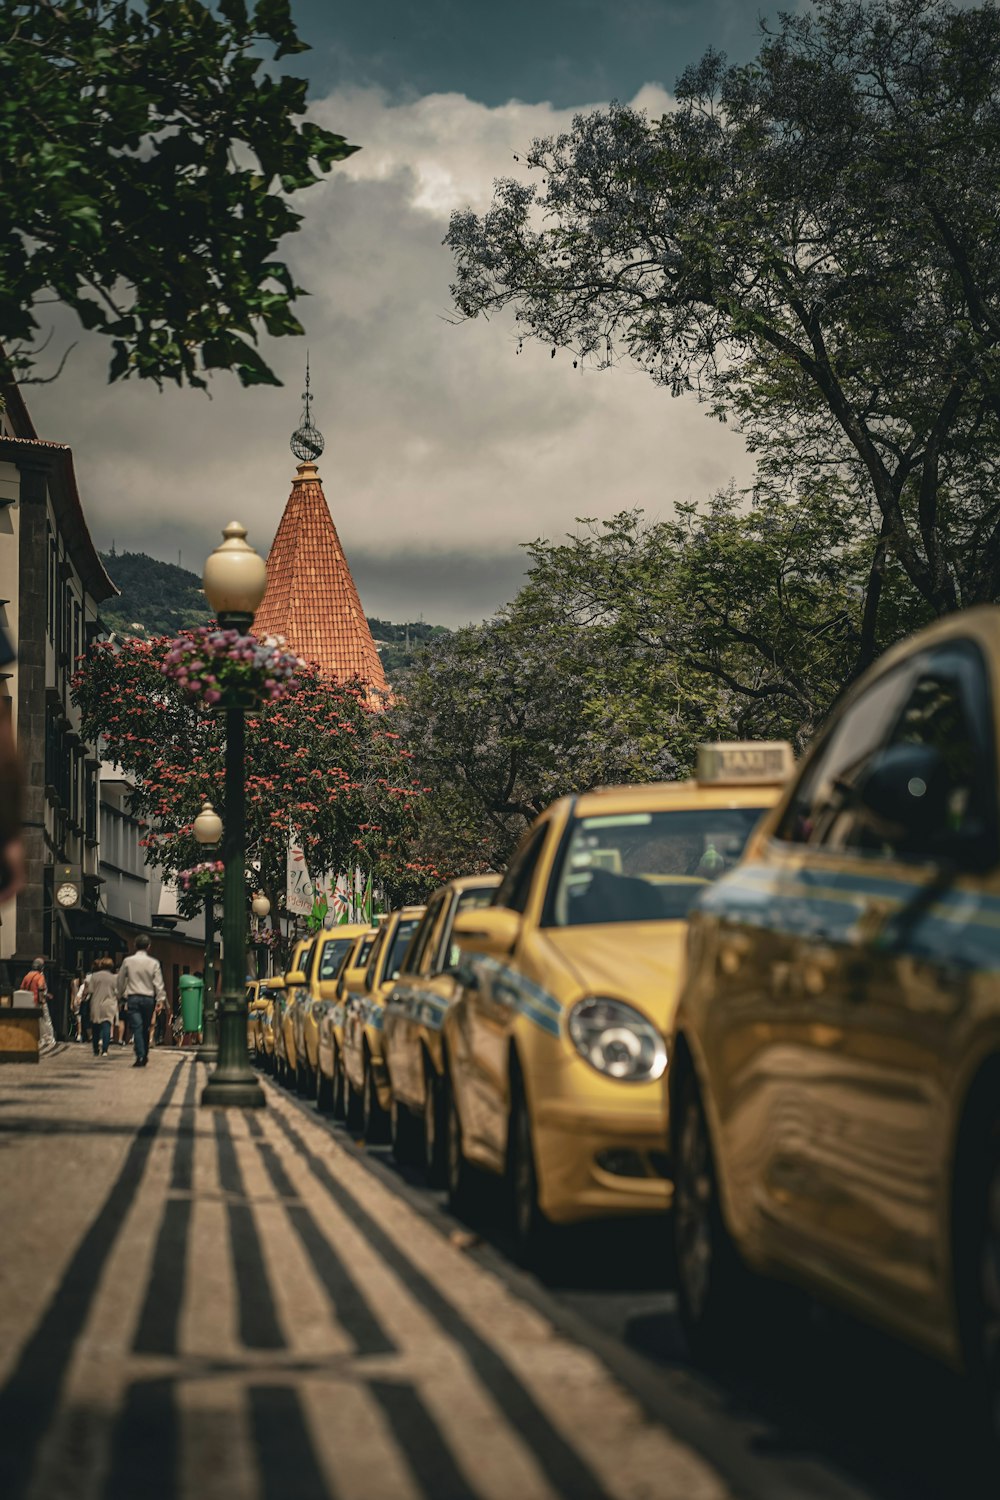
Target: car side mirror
{"points": [[490, 929], [295, 976]]}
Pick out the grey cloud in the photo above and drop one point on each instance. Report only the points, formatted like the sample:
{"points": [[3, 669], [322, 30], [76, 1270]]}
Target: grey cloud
{"points": [[445, 448]]}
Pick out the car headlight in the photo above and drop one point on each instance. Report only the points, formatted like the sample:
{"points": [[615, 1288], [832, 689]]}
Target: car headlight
{"points": [[617, 1040]]}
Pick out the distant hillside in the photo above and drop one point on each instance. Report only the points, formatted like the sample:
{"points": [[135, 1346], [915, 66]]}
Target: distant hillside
{"points": [[159, 598]]}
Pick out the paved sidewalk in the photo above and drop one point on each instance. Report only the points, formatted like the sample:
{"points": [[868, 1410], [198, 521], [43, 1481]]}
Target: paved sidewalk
{"points": [[225, 1305]]}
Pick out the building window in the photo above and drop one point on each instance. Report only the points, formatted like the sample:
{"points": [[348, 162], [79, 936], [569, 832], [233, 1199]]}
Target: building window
{"points": [[90, 806]]}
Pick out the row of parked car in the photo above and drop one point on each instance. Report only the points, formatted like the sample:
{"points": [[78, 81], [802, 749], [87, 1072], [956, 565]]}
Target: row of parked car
{"points": [[770, 996]]}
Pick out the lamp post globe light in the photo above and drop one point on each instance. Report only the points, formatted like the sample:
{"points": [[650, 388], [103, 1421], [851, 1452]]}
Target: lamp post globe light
{"points": [[207, 829], [234, 580], [260, 906]]}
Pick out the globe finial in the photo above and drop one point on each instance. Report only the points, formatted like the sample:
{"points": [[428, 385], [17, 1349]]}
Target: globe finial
{"points": [[307, 440]]}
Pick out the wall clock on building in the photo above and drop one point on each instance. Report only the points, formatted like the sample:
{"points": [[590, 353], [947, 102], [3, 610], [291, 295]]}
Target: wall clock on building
{"points": [[67, 894]]}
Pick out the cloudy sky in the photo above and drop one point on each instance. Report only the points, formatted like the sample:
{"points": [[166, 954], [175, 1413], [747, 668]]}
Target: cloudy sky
{"points": [[445, 449]]}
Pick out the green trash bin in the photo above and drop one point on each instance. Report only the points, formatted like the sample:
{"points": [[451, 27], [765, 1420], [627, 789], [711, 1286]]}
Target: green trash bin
{"points": [[191, 988]]}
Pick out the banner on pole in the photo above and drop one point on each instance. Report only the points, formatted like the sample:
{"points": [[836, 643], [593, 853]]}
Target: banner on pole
{"points": [[299, 896]]}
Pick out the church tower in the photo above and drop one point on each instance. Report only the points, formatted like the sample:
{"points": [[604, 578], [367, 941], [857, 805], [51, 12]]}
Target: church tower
{"points": [[311, 598]]}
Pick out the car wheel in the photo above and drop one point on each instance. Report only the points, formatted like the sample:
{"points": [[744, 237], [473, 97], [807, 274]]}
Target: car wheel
{"points": [[324, 1092], [712, 1283], [404, 1135], [375, 1119], [435, 1131], [533, 1232], [458, 1172], [339, 1087]]}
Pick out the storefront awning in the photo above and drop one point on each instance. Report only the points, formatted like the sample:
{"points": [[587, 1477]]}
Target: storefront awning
{"points": [[87, 930]]}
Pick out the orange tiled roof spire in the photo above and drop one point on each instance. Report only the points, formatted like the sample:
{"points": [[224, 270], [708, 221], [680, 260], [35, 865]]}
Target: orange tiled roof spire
{"points": [[311, 598]]}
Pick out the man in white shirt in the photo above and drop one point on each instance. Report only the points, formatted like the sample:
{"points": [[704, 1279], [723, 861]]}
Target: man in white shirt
{"points": [[140, 983]]}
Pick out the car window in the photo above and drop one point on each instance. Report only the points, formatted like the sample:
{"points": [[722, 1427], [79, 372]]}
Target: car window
{"points": [[468, 901], [939, 699], [405, 928], [417, 949], [364, 951], [843, 758], [515, 888], [335, 950], [373, 957], [646, 867], [946, 710]]}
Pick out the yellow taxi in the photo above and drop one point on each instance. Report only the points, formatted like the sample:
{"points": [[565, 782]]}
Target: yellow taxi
{"points": [[261, 994], [367, 1100], [321, 965], [555, 1049], [286, 1062], [332, 1087], [835, 1085], [415, 1010], [267, 1007]]}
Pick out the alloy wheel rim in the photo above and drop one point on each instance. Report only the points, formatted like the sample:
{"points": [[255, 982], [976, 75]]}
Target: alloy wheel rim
{"points": [[693, 1211]]}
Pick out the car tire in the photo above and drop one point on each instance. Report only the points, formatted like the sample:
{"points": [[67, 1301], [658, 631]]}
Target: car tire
{"points": [[353, 1107], [533, 1232], [714, 1288], [375, 1120], [459, 1179], [339, 1103], [404, 1135], [435, 1129], [324, 1092]]}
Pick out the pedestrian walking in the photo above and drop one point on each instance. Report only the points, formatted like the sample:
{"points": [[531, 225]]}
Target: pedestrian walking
{"points": [[76, 1004], [36, 982], [103, 986], [140, 983]]}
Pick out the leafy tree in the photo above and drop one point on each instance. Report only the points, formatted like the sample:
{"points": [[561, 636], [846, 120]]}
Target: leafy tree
{"points": [[320, 766], [148, 162], [809, 243], [503, 717]]}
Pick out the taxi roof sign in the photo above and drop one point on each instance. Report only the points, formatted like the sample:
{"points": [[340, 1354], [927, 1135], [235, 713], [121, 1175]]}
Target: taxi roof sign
{"points": [[738, 762]]}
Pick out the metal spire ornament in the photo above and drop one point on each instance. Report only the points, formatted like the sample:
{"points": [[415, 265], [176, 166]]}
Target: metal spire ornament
{"points": [[307, 440]]}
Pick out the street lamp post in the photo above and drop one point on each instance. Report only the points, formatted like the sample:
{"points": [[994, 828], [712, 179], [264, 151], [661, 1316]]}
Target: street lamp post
{"points": [[207, 829], [260, 906], [234, 582]]}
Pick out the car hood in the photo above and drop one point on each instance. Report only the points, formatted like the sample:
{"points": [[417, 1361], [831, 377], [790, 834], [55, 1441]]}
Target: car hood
{"points": [[640, 962]]}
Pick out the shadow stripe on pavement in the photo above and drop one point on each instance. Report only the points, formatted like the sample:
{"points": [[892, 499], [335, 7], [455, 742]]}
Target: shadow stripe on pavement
{"points": [[145, 1444], [568, 1473], [421, 1442], [258, 1318], [354, 1313], [287, 1462], [31, 1393], [183, 1171]]}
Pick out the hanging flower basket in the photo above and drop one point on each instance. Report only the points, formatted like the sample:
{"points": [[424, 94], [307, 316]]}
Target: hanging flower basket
{"points": [[225, 669], [201, 878]]}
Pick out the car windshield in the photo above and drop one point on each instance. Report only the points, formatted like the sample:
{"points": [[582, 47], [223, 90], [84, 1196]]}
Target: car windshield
{"points": [[364, 952], [334, 953], [646, 867], [400, 943]]}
